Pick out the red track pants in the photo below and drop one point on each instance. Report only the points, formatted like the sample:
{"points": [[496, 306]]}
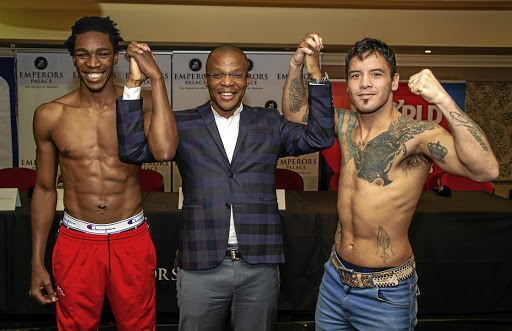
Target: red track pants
{"points": [[122, 265]]}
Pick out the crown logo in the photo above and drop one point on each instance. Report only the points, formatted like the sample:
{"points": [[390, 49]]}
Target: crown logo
{"points": [[437, 149]]}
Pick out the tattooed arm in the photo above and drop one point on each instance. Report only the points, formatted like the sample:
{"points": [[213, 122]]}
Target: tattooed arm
{"points": [[467, 151], [295, 101], [295, 105]]}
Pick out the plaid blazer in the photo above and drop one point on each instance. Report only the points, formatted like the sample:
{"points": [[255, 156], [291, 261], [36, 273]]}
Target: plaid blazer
{"points": [[212, 185]]}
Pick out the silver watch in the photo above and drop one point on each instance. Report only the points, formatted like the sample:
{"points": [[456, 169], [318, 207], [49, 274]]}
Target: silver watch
{"points": [[323, 80]]}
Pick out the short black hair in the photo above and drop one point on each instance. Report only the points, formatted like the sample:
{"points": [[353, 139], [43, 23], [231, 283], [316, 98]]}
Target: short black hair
{"points": [[94, 23], [369, 46], [227, 48]]}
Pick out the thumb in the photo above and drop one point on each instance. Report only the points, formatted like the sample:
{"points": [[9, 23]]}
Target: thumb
{"points": [[51, 293]]}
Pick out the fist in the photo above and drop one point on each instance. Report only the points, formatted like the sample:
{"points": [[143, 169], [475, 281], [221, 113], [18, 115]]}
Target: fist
{"points": [[425, 84]]}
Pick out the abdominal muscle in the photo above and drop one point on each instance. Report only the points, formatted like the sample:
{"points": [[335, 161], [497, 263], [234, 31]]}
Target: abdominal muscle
{"points": [[101, 192], [375, 221]]}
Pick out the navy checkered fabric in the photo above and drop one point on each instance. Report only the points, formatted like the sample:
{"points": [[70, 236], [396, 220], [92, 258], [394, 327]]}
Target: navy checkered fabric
{"points": [[212, 185], [132, 145]]}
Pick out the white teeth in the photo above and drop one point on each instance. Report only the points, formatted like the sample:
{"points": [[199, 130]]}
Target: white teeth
{"points": [[93, 76], [226, 93]]}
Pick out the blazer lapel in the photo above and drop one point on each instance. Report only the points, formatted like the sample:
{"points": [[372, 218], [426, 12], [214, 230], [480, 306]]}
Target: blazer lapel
{"points": [[206, 113], [245, 119]]}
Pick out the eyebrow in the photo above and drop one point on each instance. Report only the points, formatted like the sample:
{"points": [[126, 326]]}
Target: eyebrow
{"points": [[379, 70], [234, 70], [372, 70], [102, 49]]}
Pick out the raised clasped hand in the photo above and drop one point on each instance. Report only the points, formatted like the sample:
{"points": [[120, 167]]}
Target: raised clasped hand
{"points": [[309, 44], [142, 62]]}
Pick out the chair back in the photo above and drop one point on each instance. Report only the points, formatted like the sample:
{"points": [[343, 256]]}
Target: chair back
{"points": [[288, 180], [22, 178], [432, 178], [459, 183], [151, 181], [334, 182]]}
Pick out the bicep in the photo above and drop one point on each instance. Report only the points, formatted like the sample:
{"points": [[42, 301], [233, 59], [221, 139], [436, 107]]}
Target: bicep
{"points": [[439, 145], [299, 116], [46, 153], [46, 164]]}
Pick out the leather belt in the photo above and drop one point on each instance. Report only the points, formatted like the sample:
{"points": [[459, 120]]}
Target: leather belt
{"points": [[234, 254], [386, 278]]}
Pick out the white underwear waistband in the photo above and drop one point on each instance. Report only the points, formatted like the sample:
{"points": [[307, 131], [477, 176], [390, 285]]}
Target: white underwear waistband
{"points": [[93, 228]]}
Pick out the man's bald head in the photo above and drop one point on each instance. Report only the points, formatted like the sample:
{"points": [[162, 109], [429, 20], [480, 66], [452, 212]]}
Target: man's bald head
{"points": [[224, 49]]}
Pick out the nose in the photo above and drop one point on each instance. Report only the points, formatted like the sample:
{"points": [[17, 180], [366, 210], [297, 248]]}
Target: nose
{"points": [[93, 61], [226, 79], [366, 81]]}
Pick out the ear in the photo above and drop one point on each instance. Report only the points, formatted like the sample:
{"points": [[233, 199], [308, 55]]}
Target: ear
{"points": [[116, 58], [395, 80], [205, 80], [247, 80]]}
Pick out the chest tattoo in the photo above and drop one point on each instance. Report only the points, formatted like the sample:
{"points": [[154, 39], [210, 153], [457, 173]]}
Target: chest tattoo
{"points": [[375, 159]]}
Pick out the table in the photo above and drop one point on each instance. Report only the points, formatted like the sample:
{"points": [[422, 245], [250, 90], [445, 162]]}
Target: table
{"points": [[461, 244]]}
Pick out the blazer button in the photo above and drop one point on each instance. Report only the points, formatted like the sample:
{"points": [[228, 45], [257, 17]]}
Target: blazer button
{"points": [[227, 205], [230, 175]]}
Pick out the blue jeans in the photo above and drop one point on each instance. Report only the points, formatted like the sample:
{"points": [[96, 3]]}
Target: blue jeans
{"points": [[249, 291], [340, 307]]}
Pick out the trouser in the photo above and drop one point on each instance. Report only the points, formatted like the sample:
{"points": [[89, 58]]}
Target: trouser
{"points": [[341, 307], [249, 291], [88, 266]]}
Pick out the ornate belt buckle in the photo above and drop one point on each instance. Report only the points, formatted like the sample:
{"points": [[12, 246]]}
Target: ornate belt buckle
{"points": [[394, 280]]}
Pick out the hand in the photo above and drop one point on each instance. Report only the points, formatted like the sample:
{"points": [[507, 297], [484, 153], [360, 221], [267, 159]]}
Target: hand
{"points": [[308, 52], [142, 64], [425, 84], [41, 280]]}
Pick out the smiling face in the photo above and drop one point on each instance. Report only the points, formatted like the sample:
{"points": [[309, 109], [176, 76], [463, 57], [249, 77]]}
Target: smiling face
{"points": [[226, 93], [94, 59], [369, 83]]}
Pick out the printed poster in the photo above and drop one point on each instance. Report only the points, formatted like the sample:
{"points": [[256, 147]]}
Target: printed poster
{"points": [[8, 118]]}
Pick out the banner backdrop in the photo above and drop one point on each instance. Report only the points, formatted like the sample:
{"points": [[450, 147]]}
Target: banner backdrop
{"points": [[44, 75], [268, 74], [406, 102], [8, 119]]}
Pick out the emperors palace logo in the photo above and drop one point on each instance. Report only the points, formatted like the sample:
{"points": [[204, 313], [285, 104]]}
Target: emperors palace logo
{"points": [[255, 76], [191, 78], [39, 75], [41, 63], [271, 104], [195, 64]]}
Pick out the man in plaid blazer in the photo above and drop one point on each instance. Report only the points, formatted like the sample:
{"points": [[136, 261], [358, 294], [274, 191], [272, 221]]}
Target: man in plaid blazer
{"points": [[231, 241]]}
